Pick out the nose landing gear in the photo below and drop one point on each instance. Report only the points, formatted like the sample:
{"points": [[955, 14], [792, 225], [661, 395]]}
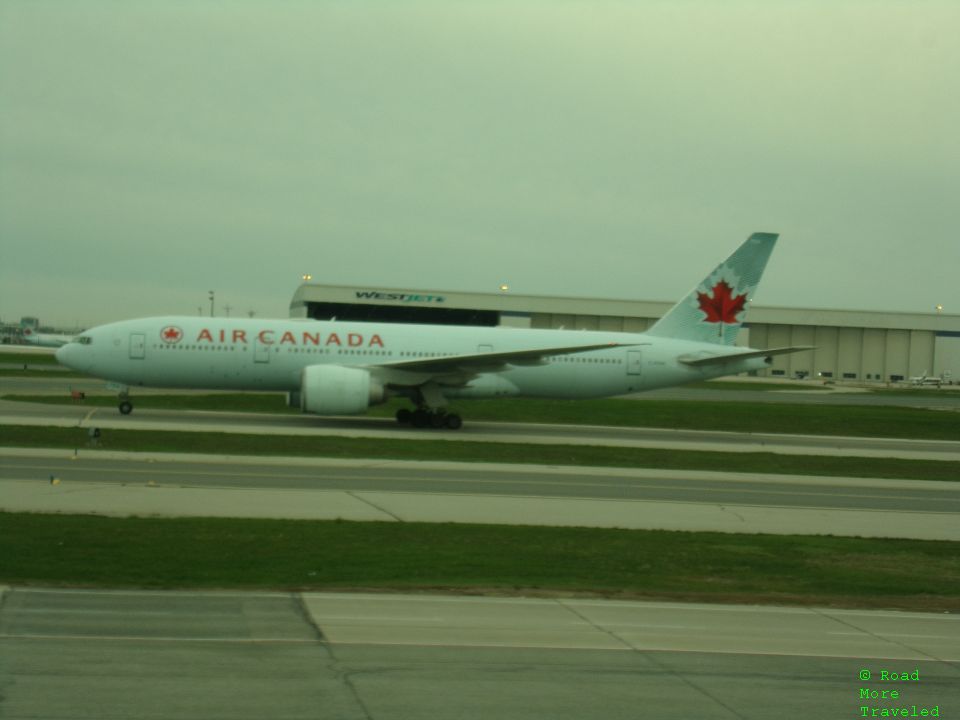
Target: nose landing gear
{"points": [[125, 407]]}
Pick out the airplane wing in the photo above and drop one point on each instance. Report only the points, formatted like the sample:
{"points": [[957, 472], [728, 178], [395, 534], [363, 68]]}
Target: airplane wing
{"points": [[697, 360], [419, 370]]}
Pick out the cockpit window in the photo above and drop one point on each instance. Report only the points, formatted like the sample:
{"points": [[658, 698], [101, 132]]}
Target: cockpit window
{"points": [[83, 339]]}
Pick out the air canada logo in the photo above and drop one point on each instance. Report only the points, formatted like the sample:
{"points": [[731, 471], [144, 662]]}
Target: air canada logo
{"points": [[723, 307], [171, 334]]}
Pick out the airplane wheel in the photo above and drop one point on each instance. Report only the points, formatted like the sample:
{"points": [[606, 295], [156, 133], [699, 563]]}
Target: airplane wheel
{"points": [[404, 416], [126, 407], [437, 420], [420, 418], [454, 421]]}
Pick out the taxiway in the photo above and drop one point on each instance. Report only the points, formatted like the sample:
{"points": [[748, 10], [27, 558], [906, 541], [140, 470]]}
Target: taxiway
{"points": [[99, 655], [18, 413], [408, 491]]}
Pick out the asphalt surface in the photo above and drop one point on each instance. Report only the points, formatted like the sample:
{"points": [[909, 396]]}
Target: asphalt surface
{"points": [[92, 655], [165, 485], [555, 434], [508, 480], [466, 492]]}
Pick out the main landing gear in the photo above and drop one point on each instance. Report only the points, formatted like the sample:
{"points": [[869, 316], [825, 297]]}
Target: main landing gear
{"points": [[424, 417]]}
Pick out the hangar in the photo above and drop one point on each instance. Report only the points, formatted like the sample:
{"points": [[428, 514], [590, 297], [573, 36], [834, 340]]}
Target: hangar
{"points": [[849, 345]]}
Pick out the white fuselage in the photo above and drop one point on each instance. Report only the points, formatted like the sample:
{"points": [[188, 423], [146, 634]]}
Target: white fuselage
{"points": [[45, 339], [269, 355]]}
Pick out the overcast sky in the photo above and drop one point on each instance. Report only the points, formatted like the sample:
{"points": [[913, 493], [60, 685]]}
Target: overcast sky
{"points": [[152, 151]]}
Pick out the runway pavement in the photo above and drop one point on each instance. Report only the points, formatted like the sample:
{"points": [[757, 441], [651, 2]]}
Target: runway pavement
{"points": [[367, 490], [316, 488], [16, 413], [105, 655]]}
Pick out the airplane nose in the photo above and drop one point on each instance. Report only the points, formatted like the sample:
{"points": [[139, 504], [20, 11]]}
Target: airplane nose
{"points": [[72, 356]]}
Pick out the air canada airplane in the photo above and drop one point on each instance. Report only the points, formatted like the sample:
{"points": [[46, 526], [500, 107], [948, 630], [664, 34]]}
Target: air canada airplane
{"points": [[344, 367], [44, 339]]}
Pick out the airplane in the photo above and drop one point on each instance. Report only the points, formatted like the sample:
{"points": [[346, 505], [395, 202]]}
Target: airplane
{"points": [[45, 339], [344, 367]]}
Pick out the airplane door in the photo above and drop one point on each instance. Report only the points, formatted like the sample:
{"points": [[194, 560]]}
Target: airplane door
{"points": [[261, 352], [138, 346], [633, 362]]}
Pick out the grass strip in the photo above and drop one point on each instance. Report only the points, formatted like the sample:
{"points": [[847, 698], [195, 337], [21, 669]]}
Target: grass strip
{"points": [[313, 555], [845, 420], [458, 451], [752, 417], [37, 357], [38, 373]]}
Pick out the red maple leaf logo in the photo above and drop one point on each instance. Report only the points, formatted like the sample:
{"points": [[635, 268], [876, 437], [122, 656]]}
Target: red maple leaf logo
{"points": [[722, 307], [171, 334]]}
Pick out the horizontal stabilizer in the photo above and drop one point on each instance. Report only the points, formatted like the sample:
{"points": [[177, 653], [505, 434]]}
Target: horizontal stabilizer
{"points": [[698, 359]]}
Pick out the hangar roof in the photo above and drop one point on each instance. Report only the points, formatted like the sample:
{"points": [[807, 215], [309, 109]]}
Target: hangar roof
{"points": [[513, 303]]}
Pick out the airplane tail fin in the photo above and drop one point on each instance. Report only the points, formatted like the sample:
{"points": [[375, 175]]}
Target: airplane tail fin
{"points": [[715, 309]]}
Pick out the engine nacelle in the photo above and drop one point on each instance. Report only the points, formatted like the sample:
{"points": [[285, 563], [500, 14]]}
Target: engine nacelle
{"points": [[338, 390]]}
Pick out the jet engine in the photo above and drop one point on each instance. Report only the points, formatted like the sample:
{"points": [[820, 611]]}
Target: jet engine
{"points": [[338, 390]]}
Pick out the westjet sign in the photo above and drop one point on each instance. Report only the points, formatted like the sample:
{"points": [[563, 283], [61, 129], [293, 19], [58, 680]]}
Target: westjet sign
{"points": [[398, 297]]}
